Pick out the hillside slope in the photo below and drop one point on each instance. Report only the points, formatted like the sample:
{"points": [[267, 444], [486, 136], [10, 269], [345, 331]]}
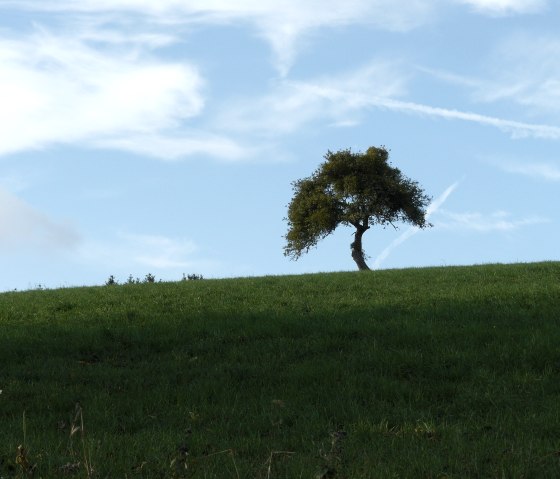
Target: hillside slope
{"points": [[433, 372]]}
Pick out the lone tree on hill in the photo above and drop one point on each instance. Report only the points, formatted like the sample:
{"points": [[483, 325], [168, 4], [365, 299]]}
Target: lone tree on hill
{"points": [[352, 189]]}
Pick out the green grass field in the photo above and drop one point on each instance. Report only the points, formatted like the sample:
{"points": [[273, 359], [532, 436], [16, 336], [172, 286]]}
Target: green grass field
{"points": [[449, 372]]}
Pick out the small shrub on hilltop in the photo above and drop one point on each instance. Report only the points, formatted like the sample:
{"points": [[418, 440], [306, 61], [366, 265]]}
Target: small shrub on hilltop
{"points": [[149, 278], [192, 277]]}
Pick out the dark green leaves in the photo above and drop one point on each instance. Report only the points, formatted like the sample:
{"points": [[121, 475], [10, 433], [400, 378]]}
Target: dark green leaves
{"points": [[359, 189]]}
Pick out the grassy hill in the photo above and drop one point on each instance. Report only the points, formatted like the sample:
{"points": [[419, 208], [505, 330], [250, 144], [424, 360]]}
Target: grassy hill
{"points": [[423, 373]]}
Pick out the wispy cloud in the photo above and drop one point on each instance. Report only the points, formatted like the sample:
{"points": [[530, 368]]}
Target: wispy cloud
{"points": [[158, 251], [516, 129], [523, 70], [505, 7], [169, 147], [433, 207], [282, 23], [520, 70], [133, 252], [451, 78], [96, 86], [56, 89], [23, 227], [544, 171], [339, 99], [293, 104], [498, 221]]}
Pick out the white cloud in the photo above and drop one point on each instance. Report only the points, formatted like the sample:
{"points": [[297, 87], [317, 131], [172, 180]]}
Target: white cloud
{"points": [[24, 227], [56, 89], [94, 33], [433, 207], [293, 104], [544, 171], [158, 251], [385, 13], [523, 69], [516, 129], [172, 148], [451, 78], [138, 251], [339, 98], [505, 7], [498, 221], [66, 88], [283, 23]]}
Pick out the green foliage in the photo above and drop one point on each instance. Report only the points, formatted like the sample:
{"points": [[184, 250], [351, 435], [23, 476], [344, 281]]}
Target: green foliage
{"points": [[192, 277], [149, 278], [421, 373], [357, 189]]}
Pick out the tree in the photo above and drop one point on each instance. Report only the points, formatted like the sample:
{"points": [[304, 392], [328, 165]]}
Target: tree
{"points": [[352, 189]]}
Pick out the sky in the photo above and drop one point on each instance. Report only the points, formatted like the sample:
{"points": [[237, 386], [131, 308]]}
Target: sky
{"points": [[162, 137]]}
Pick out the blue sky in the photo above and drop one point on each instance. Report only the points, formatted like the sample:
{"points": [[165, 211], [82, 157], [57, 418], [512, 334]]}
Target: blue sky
{"points": [[162, 137]]}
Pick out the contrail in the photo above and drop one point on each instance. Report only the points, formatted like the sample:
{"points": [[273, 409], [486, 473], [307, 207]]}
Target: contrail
{"points": [[516, 128], [432, 208]]}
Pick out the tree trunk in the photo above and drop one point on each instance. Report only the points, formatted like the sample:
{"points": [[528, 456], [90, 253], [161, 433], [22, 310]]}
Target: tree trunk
{"points": [[357, 251]]}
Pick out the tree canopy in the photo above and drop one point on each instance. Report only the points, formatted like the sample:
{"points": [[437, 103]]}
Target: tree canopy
{"points": [[352, 189]]}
